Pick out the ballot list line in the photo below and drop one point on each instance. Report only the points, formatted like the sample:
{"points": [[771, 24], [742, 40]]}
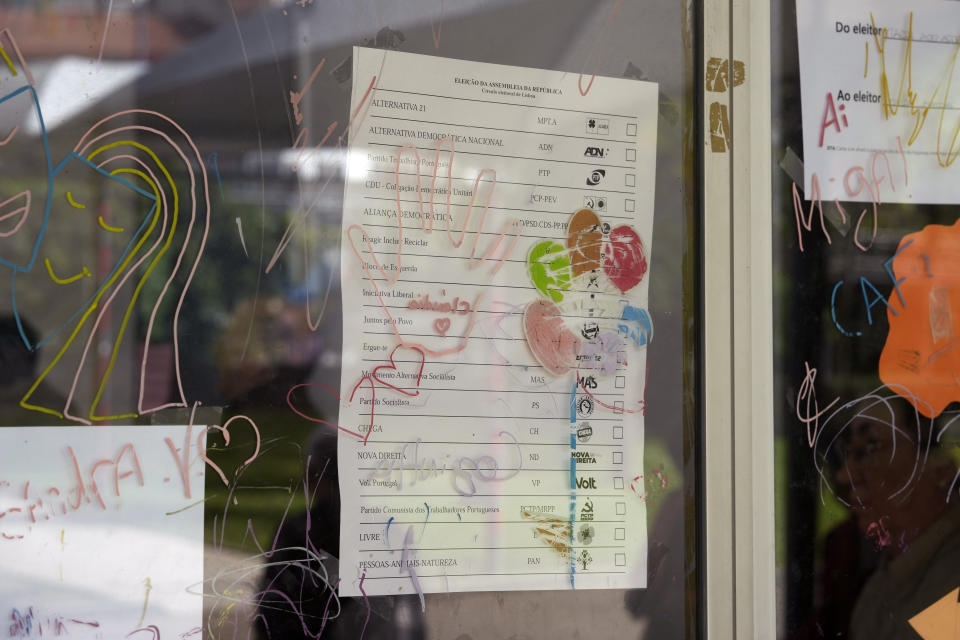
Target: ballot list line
{"points": [[524, 469], [504, 548], [488, 495], [585, 188], [472, 337], [505, 156], [540, 107], [480, 443], [483, 233], [477, 126], [478, 364], [495, 208], [433, 521], [560, 393], [421, 576], [469, 415], [505, 313]]}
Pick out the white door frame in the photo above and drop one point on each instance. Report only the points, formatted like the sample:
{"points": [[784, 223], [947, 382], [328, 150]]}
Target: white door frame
{"points": [[740, 600]]}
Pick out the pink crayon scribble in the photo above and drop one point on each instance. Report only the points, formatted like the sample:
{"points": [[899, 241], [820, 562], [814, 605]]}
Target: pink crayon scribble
{"points": [[118, 125], [807, 396], [439, 27], [152, 630], [372, 380], [305, 211], [225, 430], [592, 56], [879, 534], [303, 415], [456, 239], [650, 486], [855, 181]]}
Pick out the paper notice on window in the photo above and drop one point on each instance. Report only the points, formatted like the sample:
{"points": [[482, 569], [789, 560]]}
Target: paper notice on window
{"points": [[494, 345], [880, 101], [98, 537]]}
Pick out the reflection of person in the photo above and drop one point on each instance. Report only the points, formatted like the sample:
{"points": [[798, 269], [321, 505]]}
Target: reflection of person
{"points": [[266, 349], [17, 371], [885, 464], [293, 602]]}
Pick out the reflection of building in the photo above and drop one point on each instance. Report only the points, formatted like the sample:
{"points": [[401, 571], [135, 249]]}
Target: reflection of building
{"points": [[149, 30], [228, 85], [42, 35]]}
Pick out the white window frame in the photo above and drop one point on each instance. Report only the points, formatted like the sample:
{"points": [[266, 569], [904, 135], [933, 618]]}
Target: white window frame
{"points": [[738, 491]]}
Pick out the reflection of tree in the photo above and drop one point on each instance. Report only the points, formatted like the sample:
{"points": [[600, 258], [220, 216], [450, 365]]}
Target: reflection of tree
{"points": [[225, 276]]}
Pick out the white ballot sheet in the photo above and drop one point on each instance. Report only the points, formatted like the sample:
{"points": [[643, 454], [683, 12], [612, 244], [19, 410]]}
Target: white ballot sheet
{"points": [[494, 347], [96, 540], [880, 101]]}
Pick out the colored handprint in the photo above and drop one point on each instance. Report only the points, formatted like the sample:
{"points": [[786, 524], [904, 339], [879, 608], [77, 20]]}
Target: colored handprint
{"points": [[583, 323]]}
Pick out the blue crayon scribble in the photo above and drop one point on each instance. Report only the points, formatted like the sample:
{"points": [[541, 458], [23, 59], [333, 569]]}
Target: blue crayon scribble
{"points": [[216, 170], [638, 326], [573, 475], [27, 264]]}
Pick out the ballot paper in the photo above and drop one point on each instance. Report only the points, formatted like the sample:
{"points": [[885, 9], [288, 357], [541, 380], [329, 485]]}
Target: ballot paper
{"points": [[880, 101], [99, 536], [494, 344]]}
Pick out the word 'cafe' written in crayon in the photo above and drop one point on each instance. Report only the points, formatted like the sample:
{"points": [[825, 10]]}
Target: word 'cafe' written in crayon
{"points": [[855, 182]]}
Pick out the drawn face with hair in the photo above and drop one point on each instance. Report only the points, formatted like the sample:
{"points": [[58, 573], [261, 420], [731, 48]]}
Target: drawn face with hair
{"points": [[83, 239], [99, 218]]}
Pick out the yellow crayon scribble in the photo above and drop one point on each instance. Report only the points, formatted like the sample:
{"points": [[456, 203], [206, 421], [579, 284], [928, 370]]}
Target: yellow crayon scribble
{"points": [[8, 61], [223, 614], [866, 57], [940, 94], [74, 203], [83, 274], [555, 532], [192, 504], [146, 599], [108, 227], [24, 401], [147, 272]]}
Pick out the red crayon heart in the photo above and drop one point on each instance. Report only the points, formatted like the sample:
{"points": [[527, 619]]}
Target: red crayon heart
{"points": [[442, 325], [393, 366]]}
